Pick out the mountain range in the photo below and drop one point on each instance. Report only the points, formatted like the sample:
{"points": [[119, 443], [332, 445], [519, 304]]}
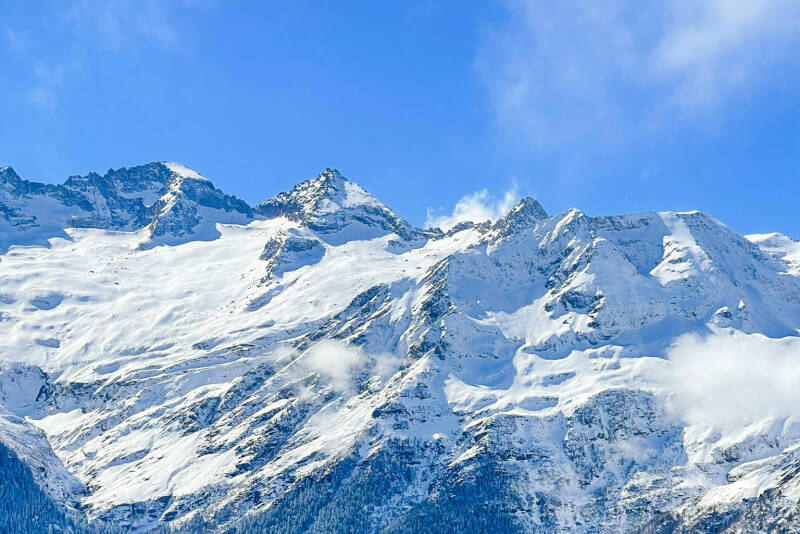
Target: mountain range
{"points": [[174, 358]]}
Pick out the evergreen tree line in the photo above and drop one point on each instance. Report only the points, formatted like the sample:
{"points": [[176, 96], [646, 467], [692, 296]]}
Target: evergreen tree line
{"points": [[343, 500]]}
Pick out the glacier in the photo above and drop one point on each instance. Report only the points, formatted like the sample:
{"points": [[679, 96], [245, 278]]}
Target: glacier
{"points": [[171, 356]]}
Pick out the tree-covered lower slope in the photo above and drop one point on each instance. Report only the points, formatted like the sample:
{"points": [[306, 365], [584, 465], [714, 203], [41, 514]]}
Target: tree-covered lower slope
{"points": [[24, 507], [345, 499]]}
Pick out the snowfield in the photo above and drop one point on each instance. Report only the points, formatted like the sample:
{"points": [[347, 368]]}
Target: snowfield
{"points": [[319, 364]]}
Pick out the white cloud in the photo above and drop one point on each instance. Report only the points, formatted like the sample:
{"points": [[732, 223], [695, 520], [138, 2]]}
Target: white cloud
{"points": [[337, 426], [334, 360], [734, 379], [338, 362], [476, 207], [564, 71]]}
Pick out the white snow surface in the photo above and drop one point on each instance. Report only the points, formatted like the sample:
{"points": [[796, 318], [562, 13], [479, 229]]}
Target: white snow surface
{"points": [[780, 247], [183, 171], [170, 366]]}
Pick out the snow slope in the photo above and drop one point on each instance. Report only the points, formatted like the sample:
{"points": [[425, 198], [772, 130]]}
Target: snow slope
{"points": [[209, 358]]}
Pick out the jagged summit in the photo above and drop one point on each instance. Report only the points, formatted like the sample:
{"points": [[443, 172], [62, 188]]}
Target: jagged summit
{"points": [[175, 202], [7, 174], [150, 177], [12, 183], [338, 208], [189, 206], [183, 171], [528, 208], [327, 192], [524, 214], [178, 204], [145, 181]]}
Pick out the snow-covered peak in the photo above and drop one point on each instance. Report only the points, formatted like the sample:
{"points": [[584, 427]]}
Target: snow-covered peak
{"points": [[524, 214], [176, 203], [147, 181], [10, 182], [8, 174], [780, 247], [528, 208], [183, 171], [189, 207], [326, 193], [338, 208]]}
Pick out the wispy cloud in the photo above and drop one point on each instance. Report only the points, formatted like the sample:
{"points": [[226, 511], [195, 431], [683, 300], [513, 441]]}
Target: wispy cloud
{"points": [[334, 360], [75, 28], [126, 22], [561, 71], [338, 424], [338, 362], [476, 207]]}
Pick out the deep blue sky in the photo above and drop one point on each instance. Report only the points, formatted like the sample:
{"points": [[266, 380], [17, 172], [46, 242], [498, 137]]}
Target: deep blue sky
{"points": [[610, 109]]}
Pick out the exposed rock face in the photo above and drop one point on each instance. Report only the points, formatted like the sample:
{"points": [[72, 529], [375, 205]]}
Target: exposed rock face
{"points": [[175, 203], [337, 209], [286, 252], [523, 216], [189, 207], [324, 366]]}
